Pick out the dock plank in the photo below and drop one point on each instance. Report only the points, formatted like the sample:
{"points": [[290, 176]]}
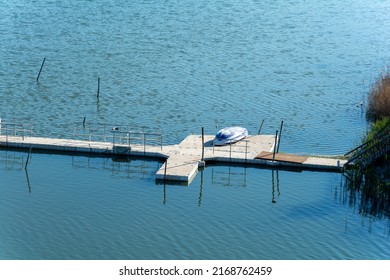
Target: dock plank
{"points": [[282, 157]]}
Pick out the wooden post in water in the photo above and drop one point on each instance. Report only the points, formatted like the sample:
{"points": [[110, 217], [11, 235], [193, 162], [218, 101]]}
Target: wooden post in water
{"points": [[40, 70], [276, 139], [280, 136]]}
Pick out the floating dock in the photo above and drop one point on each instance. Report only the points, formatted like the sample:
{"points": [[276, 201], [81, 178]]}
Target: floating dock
{"points": [[183, 160]]}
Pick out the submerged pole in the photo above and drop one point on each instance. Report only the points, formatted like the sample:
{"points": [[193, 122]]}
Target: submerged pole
{"points": [[40, 70]]}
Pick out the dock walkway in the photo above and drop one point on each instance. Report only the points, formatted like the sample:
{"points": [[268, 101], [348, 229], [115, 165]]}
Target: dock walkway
{"points": [[183, 160]]}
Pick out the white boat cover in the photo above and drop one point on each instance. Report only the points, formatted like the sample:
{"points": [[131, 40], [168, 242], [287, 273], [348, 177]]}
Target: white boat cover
{"points": [[230, 135]]}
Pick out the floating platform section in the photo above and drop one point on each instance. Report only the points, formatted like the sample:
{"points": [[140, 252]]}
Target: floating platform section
{"points": [[183, 160]]}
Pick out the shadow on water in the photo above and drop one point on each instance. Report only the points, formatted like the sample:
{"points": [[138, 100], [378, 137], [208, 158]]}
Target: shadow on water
{"points": [[368, 191]]}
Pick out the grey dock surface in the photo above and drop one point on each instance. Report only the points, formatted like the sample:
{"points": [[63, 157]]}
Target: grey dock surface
{"points": [[184, 159]]}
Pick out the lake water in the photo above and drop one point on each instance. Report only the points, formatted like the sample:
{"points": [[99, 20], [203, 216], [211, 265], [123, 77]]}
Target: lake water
{"points": [[181, 66]]}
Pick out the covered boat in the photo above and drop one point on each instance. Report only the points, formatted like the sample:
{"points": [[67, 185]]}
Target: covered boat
{"points": [[230, 135]]}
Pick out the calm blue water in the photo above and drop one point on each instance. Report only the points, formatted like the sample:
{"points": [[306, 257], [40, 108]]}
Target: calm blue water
{"points": [[180, 66]]}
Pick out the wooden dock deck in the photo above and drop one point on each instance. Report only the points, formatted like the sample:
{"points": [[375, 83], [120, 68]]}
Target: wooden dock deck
{"points": [[184, 159]]}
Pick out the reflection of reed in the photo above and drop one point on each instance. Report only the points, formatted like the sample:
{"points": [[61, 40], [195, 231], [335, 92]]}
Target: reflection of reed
{"points": [[368, 191]]}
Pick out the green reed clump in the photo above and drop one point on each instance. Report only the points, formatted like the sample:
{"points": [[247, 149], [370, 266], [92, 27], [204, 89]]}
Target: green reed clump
{"points": [[378, 127], [379, 99]]}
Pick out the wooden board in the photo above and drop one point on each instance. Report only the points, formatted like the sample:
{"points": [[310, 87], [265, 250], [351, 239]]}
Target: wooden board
{"points": [[282, 157]]}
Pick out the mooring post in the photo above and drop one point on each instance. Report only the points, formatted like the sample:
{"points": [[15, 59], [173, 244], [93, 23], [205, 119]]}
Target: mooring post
{"points": [[40, 70], [280, 136], [276, 139]]}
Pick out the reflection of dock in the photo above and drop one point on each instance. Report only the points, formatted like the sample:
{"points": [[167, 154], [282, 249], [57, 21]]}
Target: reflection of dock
{"points": [[184, 159]]}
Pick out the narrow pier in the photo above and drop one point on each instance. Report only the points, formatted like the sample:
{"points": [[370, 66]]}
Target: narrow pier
{"points": [[183, 160]]}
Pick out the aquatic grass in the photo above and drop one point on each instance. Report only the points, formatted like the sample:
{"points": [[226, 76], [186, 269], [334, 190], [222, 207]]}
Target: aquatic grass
{"points": [[378, 127], [379, 99]]}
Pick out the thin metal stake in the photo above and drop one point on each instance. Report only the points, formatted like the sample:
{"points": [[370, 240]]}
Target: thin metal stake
{"points": [[98, 90], [40, 70], [258, 132], [276, 139], [280, 136]]}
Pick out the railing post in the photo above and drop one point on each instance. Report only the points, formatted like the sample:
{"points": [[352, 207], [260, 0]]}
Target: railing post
{"points": [[144, 140], [202, 144], [230, 153], [246, 151]]}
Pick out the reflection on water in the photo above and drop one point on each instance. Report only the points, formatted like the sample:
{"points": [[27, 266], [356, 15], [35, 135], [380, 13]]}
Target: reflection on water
{"points": [[118, 166], [251, 209], [232, 177], [28, 181], [273, 185], [12, 160], [369, 191]]}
